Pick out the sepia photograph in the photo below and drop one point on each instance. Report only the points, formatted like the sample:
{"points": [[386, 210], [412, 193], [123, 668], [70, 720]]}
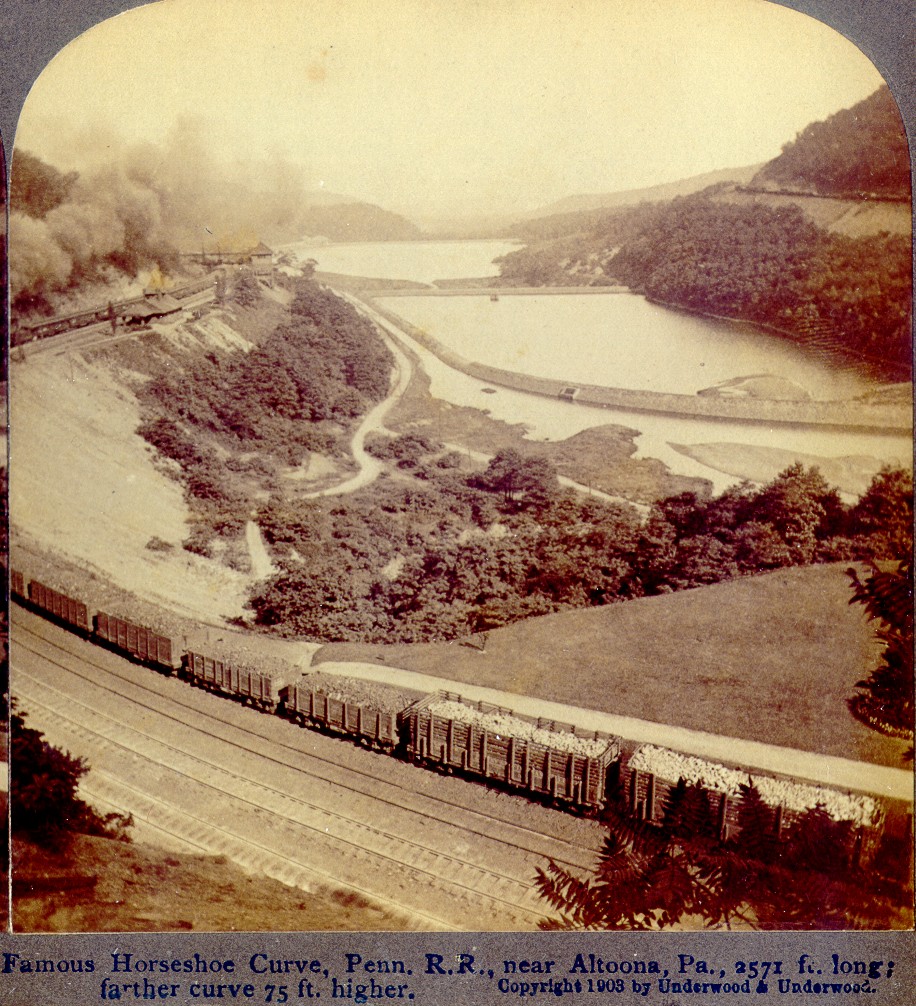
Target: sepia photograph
{"points": [[459, 473]]}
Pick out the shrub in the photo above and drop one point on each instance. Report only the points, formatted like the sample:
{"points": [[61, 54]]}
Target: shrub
{"points": [[44, 806]]}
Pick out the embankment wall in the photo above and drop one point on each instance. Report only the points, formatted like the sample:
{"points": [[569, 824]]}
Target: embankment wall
{"points": [[848, 415]]}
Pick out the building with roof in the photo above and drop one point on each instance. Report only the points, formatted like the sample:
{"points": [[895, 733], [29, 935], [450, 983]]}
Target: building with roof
{"points": [[262, 260], [259, 259]]}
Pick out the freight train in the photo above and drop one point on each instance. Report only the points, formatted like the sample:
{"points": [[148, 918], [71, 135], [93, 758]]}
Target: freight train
{"points": [[550, 762], [47, 327]]}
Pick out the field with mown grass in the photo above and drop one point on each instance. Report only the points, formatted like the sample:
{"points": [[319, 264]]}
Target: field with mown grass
{"points": [[771, 658]]}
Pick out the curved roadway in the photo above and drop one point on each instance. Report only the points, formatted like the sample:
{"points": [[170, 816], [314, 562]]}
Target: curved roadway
{"points": [[369, 467]]}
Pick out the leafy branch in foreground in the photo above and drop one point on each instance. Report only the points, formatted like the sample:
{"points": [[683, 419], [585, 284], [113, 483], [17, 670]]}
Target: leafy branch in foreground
{"points": [[885, 698], [682, 872]]}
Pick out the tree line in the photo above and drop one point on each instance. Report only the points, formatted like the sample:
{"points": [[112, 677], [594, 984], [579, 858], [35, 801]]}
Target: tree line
{"points": [[448, 553], [859, 151], [771, 267], [774, 267]]}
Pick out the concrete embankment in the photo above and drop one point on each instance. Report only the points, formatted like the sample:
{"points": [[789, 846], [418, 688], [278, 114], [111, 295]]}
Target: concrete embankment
{"points": [[502, 291], [845, 415]]}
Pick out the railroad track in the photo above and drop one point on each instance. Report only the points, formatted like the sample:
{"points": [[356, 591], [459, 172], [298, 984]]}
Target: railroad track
{"points": [[428, 866], [537, 842], [198, 835], [98, 333], [464, 882]]}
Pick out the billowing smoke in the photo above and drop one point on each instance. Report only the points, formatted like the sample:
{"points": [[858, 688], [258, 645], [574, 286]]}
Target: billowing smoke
{"points": [[130, 209]]}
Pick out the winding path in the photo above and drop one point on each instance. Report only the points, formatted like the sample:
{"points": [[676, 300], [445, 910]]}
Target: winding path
{"points": [[369, 467]]}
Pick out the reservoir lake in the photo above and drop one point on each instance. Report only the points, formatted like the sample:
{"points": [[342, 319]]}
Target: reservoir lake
{"points": [[618, 340], [622, 341], [419, 261]]}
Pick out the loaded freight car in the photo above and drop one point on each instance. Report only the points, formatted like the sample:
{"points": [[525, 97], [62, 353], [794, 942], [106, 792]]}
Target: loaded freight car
{"points": [[650, 773], [137, 641], [60, 607], [17, 584], [240, 683], [364, 723], [537, 756]]}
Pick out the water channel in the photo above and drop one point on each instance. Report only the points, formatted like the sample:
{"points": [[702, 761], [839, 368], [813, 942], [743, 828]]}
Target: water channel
{"points": [[622, 341]]}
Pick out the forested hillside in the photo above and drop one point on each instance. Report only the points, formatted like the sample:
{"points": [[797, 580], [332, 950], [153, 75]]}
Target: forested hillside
{"points": [[773, 267], [444, 554], [231, 417], [860, 151], [767, 265], [599, 227]]}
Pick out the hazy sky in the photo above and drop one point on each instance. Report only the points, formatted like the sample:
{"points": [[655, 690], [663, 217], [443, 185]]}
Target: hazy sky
{"points": [[426, 105]]}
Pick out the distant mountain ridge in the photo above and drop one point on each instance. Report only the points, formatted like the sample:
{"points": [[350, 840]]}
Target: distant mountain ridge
{"points": [[653, 193], [356, 221]]}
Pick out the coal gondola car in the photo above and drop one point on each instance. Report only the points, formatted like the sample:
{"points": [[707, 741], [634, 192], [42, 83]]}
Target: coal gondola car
{"points": [[650, 773], [362, 722], [537, 756], [68, 611], [137, 641], [242, 683]]}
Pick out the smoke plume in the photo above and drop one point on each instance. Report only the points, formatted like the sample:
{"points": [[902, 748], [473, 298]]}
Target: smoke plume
{"points": [[129, 209]]}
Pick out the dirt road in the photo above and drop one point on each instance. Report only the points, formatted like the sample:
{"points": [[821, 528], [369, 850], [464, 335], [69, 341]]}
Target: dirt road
{"points": [[261, 565], [369, 467]]}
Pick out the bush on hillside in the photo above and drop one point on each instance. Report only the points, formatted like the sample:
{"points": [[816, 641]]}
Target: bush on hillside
{"points": [[44, 806], [247, 290]]}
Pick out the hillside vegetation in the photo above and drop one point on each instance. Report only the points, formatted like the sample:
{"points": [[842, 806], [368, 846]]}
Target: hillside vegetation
{"points": [[716, 254], [773, 267], [231, 420], [858, 152], [438, 549], [437, 554]]}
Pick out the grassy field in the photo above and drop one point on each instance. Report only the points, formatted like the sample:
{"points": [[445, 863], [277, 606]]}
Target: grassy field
{"points": [[770, 658]]}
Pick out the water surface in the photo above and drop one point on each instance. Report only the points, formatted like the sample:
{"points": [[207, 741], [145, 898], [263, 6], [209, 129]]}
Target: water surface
{"points": [[620, 341], [420, 261], [612, 339]]}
